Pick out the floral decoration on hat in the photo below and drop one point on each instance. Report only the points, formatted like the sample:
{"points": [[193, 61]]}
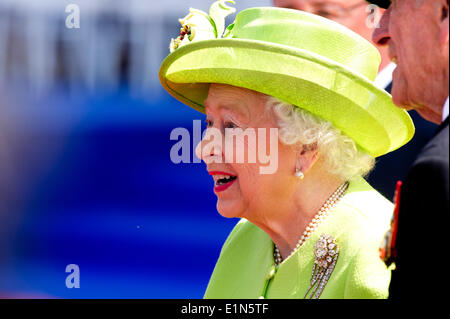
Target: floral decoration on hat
{"points": [[198, 25]]}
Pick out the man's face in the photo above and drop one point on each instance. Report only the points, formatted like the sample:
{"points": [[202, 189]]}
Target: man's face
{"points": [[413, 31], [341, 11]]}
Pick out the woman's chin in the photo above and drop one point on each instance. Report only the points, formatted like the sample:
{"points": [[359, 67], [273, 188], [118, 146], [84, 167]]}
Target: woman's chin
{"points": [[227, 209]]}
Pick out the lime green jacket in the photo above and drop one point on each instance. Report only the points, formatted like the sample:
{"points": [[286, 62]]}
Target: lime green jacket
{"points": [[245, 268]]}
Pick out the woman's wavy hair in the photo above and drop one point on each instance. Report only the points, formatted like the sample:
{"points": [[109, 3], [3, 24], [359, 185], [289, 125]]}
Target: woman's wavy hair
{"points": [[342, 157]]}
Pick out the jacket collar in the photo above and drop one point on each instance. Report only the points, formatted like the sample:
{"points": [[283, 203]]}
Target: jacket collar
{"points": [[442, 126], [445, 110]]}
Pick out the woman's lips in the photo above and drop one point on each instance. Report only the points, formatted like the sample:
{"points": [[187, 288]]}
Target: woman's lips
{"points": [[219, 175], [221, 188]]}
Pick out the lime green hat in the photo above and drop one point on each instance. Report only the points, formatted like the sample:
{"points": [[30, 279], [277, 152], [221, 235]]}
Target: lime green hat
{"points": [[297, 57]]}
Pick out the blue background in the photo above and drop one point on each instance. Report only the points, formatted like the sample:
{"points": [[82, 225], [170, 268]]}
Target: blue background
{"points": [[86, 176], [101, 192]]}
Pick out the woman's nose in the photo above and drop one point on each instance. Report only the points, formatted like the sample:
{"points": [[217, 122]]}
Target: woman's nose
{"points": [[380, 35], [210, 147]]}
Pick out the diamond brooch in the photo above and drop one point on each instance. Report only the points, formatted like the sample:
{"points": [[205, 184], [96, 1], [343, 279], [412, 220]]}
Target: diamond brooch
{"points": [[326, 252]]}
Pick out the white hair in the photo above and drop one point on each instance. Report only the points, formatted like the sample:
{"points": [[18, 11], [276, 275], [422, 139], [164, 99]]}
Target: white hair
{"points": [[341, 155]]}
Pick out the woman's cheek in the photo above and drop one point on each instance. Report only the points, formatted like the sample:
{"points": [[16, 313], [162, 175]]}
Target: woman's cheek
{"points": [[241, 146]]}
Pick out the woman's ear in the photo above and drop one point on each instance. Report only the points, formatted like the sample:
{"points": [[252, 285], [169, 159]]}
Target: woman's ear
{"points": [[307, 156]]}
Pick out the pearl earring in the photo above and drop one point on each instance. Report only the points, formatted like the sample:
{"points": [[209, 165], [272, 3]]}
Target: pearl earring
{"points": [[299, 174]]}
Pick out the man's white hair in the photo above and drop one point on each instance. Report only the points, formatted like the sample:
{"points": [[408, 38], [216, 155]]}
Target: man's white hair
{"points": [[341, 155]]}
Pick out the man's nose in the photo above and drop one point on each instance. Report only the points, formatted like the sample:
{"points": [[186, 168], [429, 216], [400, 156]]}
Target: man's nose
{"points": [[380, 35], [302, 5]]}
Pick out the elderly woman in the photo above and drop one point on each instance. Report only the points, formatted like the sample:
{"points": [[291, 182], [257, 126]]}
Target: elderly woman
{"points": [[311, 228]]}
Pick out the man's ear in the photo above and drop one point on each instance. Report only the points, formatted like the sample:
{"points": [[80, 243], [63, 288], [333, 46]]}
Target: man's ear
{"points": [[307, 156], [444, 23]]}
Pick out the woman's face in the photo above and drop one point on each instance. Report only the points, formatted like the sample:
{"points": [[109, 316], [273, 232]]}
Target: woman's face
{"points": [[239, 184]]}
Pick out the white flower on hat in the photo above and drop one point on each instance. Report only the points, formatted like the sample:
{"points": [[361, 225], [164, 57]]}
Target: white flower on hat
{"points": [[198, 25]]}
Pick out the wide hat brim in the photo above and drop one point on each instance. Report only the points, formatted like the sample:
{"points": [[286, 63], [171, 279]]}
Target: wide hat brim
{"points": [[315, 83]]}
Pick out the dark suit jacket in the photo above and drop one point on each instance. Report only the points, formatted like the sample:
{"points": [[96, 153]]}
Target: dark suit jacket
{"points": [[423, 236], [395, 165]]}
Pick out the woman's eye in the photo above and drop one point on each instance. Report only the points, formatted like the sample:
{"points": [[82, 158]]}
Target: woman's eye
{"points": [[230, 125]]}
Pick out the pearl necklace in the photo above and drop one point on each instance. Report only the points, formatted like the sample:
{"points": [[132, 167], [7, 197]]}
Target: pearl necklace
{"points": [[319, 217]]}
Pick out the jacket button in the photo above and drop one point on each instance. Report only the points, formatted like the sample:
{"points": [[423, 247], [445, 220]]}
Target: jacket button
{"points": [[271, 273]]}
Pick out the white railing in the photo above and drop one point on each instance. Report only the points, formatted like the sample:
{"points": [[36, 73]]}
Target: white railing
{"points": [[38, 49]]}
